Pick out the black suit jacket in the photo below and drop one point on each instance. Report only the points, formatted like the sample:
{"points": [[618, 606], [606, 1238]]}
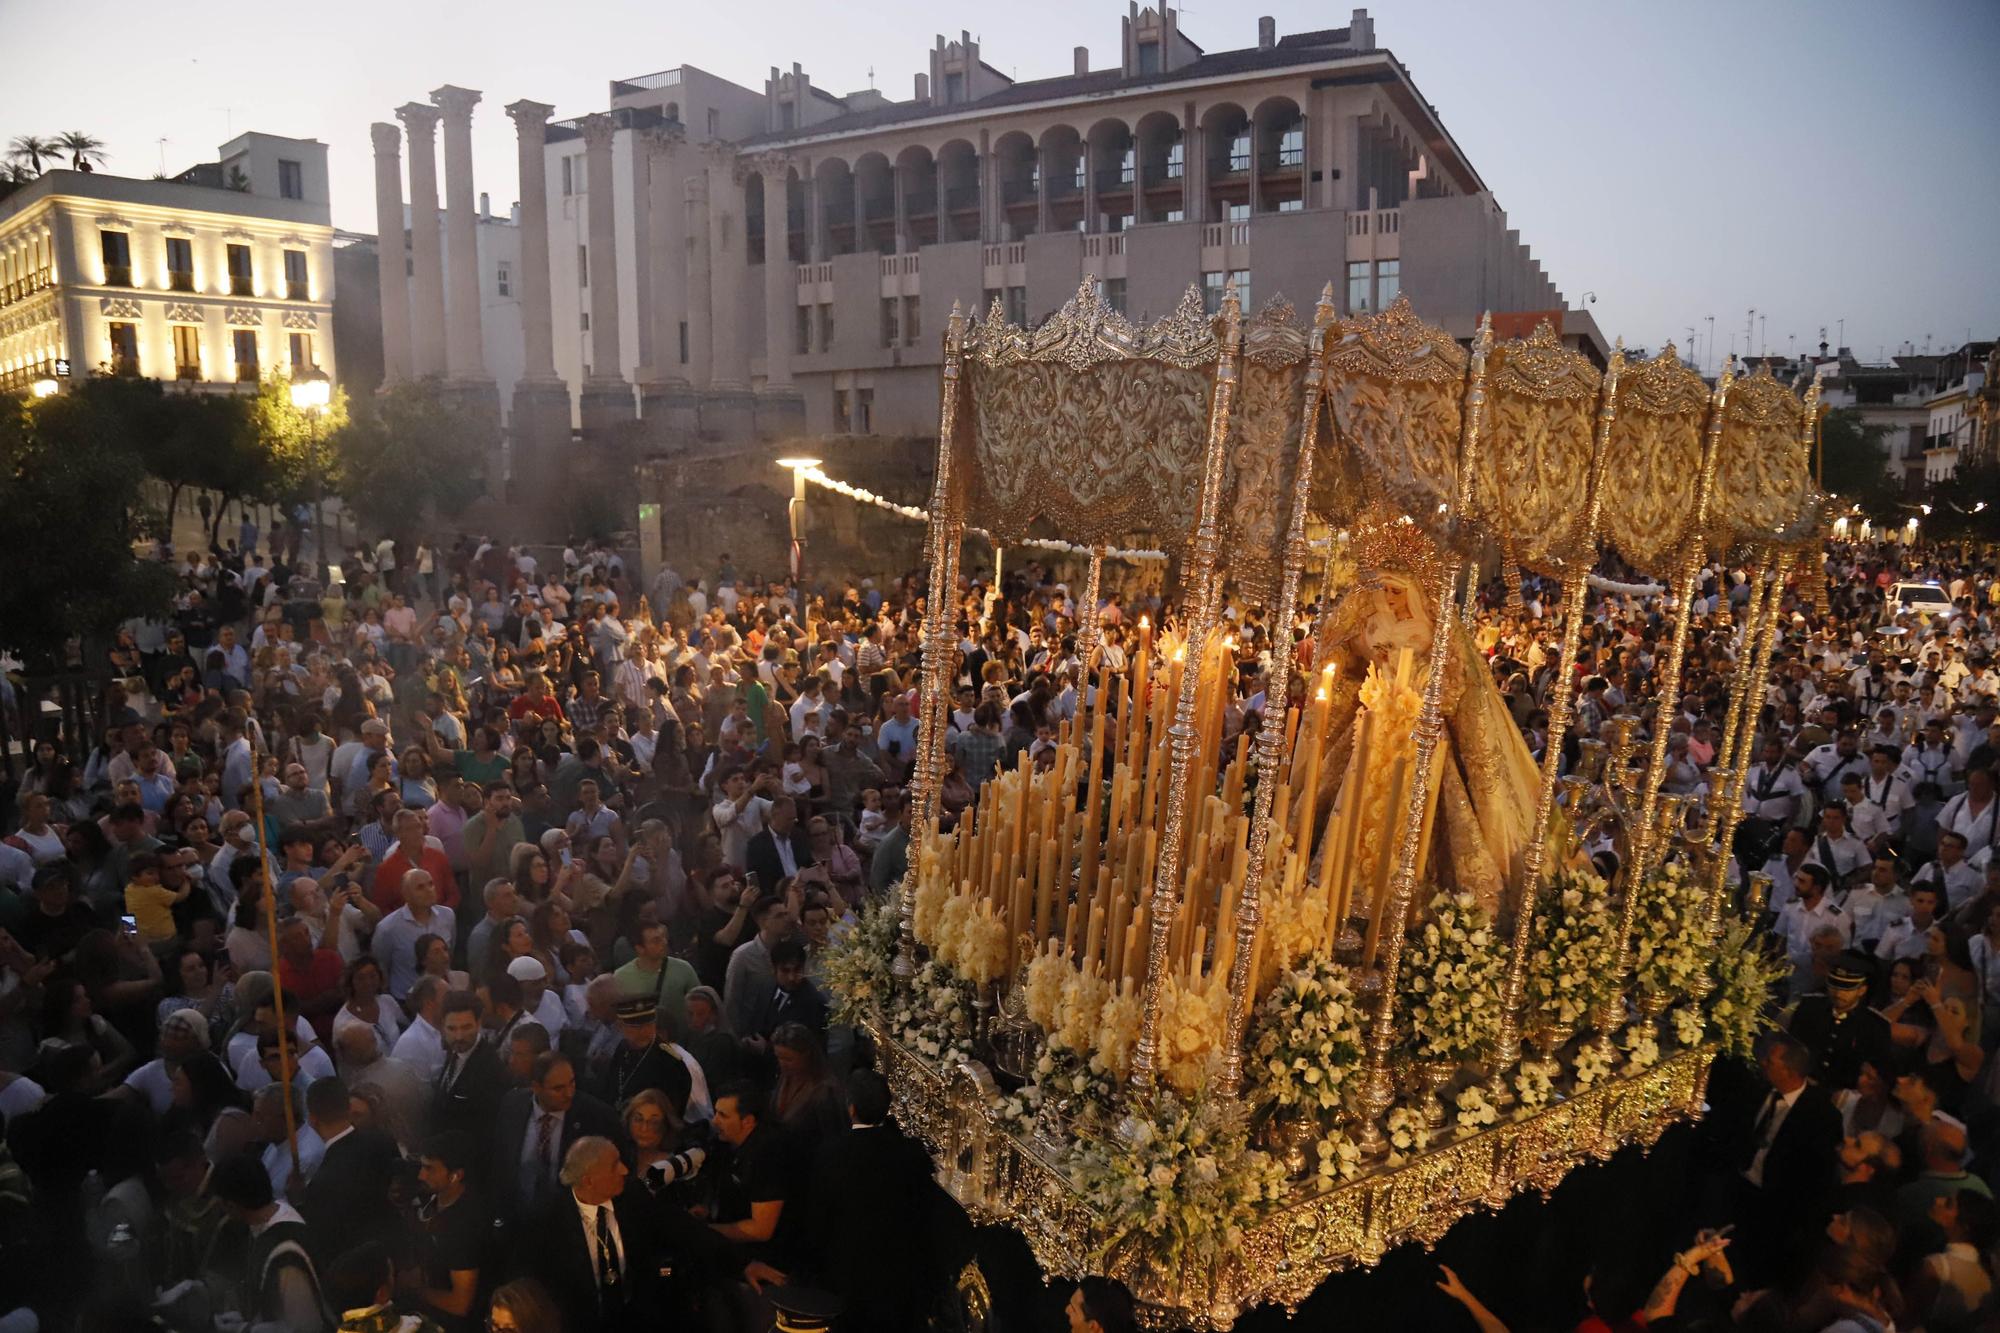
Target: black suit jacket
{"points": [[347, 1201], [1799, 1168], [668, 1257], [762, 856], [469, 1106], [586, 1116], [878, 1227]]}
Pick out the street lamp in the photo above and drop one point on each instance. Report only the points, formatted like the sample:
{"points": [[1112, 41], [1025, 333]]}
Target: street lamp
{"points": [[44, 388], [796, 511], [311, 395]]}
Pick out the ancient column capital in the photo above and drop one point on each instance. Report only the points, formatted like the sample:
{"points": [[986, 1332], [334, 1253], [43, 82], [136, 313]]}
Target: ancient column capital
{"points": [[530, 117], [420, 119], [664, 139], [597, 129], [697, 187], [724, 158], [388, 139], [455, 102], [776, 163]]}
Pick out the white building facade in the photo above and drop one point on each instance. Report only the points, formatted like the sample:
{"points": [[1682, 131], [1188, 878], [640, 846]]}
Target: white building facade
{"points": [[217, 278]]}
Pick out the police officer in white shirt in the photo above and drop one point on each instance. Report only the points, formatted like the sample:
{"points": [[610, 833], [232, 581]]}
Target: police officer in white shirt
{"points": [[1886, 789], [1909, 937], [1864, 818], [1875, 902], [1974, 812], [1827, 764], [1772, 791], [1930, 761], [1811, 909], [1836, 847]]}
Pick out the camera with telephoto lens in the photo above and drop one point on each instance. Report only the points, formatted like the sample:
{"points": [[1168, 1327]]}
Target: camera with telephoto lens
{"points": [[679, 1166]]}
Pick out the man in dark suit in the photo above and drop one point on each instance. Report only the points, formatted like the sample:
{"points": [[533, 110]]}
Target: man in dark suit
{"points": [[1788, 1163], [782, 849], [611, 1259], [469, 1087], [872, 1221], [535, 1126], [346, 1204]]}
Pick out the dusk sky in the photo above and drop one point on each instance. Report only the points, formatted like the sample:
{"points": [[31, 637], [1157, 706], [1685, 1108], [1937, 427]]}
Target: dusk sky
{"points": [[1818, 162]]}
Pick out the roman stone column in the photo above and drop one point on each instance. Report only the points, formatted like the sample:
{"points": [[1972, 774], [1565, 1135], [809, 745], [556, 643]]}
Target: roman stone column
{"points": [[465, 357], [391, 275], [427, 336], [607, 396], [537, 336], [727, 412], [780, 409], [667, 402], [700, 362]]}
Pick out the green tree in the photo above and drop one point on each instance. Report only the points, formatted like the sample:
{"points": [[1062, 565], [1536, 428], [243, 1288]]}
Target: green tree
{"points": [[1967, 507], [70, 485], [409, 454], [298, 450], [1854, 464], [29, 150], [86, 151]]}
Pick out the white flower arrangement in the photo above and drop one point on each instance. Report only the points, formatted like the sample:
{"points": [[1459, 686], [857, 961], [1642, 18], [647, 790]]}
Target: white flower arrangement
{"points": [[1669, 938], [1339, 1158], [1408, 1134], [935, 1018], [1641, 1046], [1572, 950], [1193, 1010], [1181, 1182], [1449, 987], [1591, 1065], [1535, 1083], [1306, 1043], [1474, 1111], [1745, 977], [856, 962], [1688, 1026]]}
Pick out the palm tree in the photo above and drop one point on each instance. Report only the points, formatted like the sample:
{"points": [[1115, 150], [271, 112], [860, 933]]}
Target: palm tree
{"points": [[31, 149], [84, 149]]}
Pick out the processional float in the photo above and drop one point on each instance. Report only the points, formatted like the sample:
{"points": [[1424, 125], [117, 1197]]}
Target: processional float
{"points": [[1220, 1020]]}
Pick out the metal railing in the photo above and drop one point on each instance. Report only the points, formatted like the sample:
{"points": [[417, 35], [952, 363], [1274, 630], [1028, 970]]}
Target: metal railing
{"points": [[22, 288], [296, 289], [117, 275], [180, 280], [242, 284]]}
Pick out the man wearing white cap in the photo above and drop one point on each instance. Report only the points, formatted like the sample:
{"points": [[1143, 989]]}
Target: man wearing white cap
{"points": [[183, 1035], [537, 1000]]}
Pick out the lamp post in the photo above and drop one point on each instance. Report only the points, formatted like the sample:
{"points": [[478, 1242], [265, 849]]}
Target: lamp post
{"points": [[796, 512], [311, 396]]}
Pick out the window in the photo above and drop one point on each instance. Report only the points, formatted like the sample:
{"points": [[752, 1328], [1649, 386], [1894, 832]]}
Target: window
{"points": [[802, 336], [117, 250], [297, 288], [1388, 281], [241, 282], [1017, 306], [891, 324], [987, 298], [1118, 222], [1114, 294], [583, 321], [244, 343], [714, 123], [1149, 57], [1292, 147], [1239, 151], [1241, 277], [503, 281], [187, 352], [583, 266], [1176, 160], [954, 88], [1291, 205], [1236, 212], [569, 184], [1360, 287], [912, 320], [291, 180], [840, 410], [864, 411], [684, 341], [301, 349], [180, 263], [124, 340], [788, 115], [826, 327], [409, 266], [1211, 292], [1127, 166], [1175, 215]]}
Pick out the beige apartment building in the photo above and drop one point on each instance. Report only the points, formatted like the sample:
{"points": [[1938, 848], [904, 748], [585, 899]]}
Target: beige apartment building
{"points": [[215, 278], [724, 263]]}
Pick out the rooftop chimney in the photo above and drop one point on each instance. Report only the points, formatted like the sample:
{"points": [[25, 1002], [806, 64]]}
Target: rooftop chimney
{"points": [[1081, 57], [1361, 31], [923, 87], [485, 206], [1267, 33]]}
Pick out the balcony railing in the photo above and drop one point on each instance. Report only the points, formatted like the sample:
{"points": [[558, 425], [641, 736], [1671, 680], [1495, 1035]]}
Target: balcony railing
{"points": [[296, 289], [246, 372], [117, 275], [127, 366], [242, 284], [180, 280], [1276, 160], [184, 371], [22, 288], [1114, 178]]}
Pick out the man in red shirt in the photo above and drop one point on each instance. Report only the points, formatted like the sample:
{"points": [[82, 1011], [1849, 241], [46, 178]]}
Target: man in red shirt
{"points": [[535, 697], [310, 976], [412, 852]]}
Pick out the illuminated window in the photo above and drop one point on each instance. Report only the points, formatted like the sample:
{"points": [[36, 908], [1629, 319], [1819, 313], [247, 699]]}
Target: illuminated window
{"points": [[187, 352], [117, 250], [241, 280], [296, 286], [243, 342], [124, 340], [301, 349], [180, 263]]}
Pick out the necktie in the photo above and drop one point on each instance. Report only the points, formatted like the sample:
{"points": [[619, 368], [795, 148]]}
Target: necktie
{"points": [[607, 1256], [450, 1074], [544, 1140]]}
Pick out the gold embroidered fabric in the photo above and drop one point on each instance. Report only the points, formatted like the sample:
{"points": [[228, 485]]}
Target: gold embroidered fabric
{"points": [[1263, 467], [1394, 386], [1652, 460], [1531, 473], [1763, 477]]}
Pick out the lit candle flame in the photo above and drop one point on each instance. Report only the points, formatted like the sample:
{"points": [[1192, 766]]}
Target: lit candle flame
{"points": [[1322, 696], [1143, 623]]}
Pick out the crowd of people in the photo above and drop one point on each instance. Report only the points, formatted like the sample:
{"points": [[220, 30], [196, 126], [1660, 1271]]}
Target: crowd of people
{"points": [[443, 942]]}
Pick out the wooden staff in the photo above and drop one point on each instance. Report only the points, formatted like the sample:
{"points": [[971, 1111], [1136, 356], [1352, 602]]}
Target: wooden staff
{"points": [[277, 978]]}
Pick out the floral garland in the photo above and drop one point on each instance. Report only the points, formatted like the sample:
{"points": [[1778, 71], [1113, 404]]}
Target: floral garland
{"points": [[1449, 988], [1669, 946], [1745, 977], [1572, 950], [935, 1017], [1181, 1181], [857, 960], [1307, 1041]]}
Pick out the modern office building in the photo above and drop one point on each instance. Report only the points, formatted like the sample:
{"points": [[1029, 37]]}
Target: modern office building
{"points": [[728, 263], [217, 277]]}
